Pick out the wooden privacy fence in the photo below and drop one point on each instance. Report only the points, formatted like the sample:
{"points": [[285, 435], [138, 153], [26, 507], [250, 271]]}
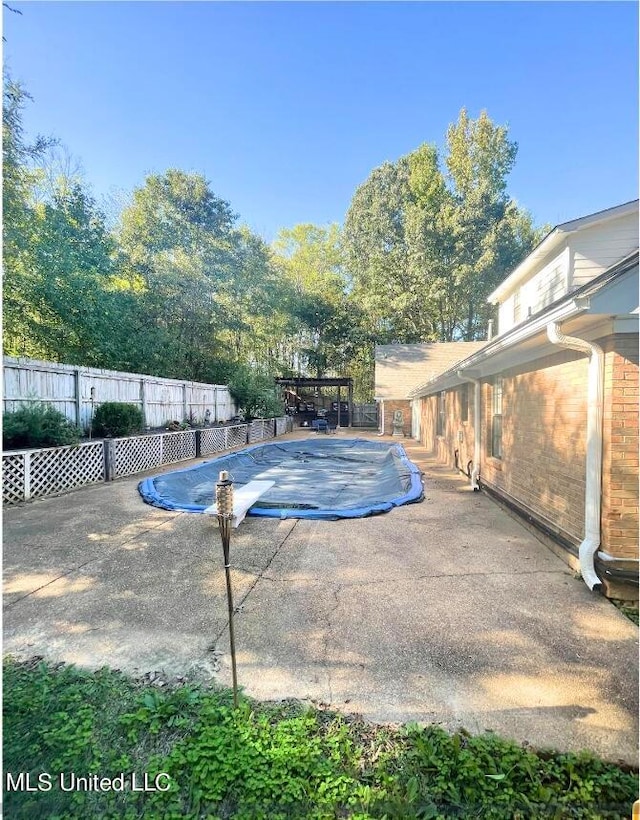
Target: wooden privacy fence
{"points": [[364, 415], [35, 473], [68, 389]]}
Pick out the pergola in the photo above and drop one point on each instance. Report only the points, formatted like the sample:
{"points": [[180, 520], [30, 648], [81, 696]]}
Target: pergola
{"points": [[300, 382]]}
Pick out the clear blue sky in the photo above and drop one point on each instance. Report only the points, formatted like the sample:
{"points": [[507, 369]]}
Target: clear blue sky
{"points": [[287, 107]]}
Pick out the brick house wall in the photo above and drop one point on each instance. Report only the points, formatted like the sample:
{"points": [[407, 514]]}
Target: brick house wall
{"points": [[458, 431], [544, 417], [620, 450], [544, 412], [427, 423], [390, 406]]}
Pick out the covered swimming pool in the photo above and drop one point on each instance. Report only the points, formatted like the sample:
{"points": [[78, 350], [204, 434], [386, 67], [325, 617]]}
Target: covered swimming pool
{"points": [[314, 478]]}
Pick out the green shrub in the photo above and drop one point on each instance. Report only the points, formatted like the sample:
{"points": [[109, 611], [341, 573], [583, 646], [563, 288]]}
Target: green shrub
{"points": [[38, 425], [255, 394], [116, 418]]}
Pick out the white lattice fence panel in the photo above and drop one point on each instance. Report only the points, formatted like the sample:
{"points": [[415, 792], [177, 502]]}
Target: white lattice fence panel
{"points": [[255, 432], [267, 429], [212, 440], [135, 455], [178, 446], [63, 468], [13, 476], [281, 426], [235, 436]]}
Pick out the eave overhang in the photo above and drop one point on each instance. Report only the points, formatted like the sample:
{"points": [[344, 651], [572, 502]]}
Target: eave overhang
{"points": [[597, 309], [552, 241]]}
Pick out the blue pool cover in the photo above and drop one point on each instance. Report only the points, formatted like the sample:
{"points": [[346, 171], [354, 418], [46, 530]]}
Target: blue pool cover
{"points": [[314, 478]]}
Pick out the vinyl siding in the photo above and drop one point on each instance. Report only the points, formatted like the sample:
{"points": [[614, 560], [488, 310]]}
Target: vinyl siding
{"points": [[543, 288], [596, 249]]}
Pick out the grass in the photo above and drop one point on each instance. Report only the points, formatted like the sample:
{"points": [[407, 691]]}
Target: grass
{"points": [[272, 761]]}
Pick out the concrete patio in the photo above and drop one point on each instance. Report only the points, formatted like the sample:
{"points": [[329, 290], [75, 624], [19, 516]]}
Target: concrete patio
{"points": [[446, 611]]}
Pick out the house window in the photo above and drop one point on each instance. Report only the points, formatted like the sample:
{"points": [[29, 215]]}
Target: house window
{"points": [[464, 402], [496, 418], [517, 310], [441, 414]]}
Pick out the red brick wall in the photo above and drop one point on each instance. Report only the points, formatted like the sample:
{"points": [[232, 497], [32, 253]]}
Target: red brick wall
{"points": [[458, 434], [428, 410], [389, 407], [544, 412], [544, 418], [620, 451], [543, 424]]}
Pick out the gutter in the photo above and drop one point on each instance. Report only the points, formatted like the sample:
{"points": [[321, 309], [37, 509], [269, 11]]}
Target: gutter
{"points": [[475, 473], [593, 490], [567, 309]]}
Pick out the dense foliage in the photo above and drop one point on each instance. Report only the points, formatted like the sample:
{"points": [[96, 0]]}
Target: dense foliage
{"points": [[279, 761], [116, 418], [38, 425], [254, 394], [173, 286], [425, 245]]}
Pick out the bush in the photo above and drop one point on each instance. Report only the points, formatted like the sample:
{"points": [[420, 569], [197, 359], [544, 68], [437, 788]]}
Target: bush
{"points": [[255, 394], [116, 418], [38, 425]]}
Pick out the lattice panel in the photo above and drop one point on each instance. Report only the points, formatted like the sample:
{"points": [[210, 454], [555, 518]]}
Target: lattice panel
{"points": [[12, 479], [178, 446], [235, 436], [63, 468], [281, 426], [255, 432], [135, 455], [212, 440]]}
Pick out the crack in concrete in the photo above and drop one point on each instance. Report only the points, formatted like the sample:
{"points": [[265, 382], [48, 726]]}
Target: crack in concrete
{"points": [[86, 563], [325, 643], [405, 580], [259, 576]]}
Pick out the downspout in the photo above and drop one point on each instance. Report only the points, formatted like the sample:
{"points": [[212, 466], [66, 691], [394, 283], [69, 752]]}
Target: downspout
{"points": [[381, 433], [593, 490], [475, 473]]}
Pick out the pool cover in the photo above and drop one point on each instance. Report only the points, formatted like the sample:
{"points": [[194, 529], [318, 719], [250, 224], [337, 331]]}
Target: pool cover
{"points": [[314, 478]]}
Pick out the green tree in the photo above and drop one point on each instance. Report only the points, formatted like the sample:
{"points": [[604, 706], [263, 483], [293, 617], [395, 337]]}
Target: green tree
{"points": [[426, 244], [178, 256], [256, 306], [311, 260], [255, 393], [82, 314], [491, 234], [19, 178], [60, 299], [209, 297], [377, 253]]}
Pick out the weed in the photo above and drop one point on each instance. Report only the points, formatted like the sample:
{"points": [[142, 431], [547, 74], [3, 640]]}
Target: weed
{"points": [[275, 761], [628, 609]]}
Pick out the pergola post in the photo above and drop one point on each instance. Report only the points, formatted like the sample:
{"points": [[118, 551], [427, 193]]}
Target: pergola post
{"points": [[299, 383]]}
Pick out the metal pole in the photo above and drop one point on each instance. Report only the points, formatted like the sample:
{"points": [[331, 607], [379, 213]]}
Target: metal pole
{"points": [[224, 506]]}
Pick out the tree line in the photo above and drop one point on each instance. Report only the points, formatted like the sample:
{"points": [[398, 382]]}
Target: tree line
{"points": [[175, 286]]}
